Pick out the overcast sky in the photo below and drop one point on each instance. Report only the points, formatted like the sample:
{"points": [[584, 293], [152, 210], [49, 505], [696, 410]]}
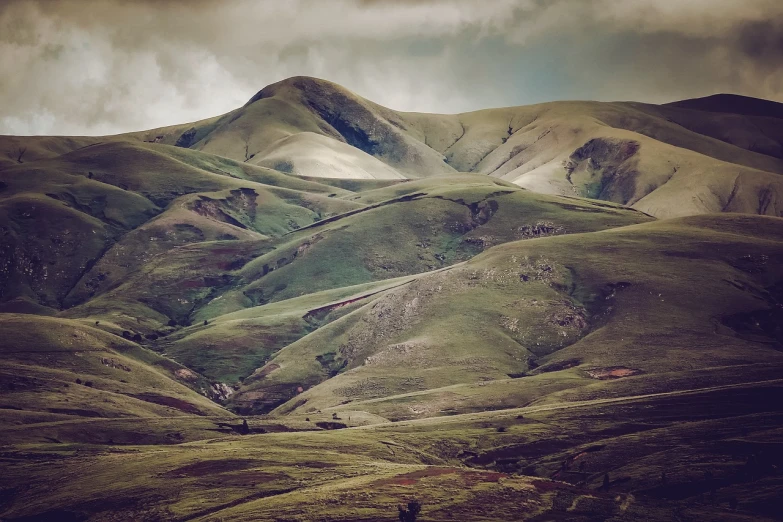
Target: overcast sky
{"points": [[108, 66]]}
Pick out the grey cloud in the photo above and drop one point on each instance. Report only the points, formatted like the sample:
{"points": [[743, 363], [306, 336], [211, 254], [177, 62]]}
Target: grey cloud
{"points": [[77, 66]]}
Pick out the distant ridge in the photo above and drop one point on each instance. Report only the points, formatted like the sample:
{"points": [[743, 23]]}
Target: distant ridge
{"points": [[733, 104]]}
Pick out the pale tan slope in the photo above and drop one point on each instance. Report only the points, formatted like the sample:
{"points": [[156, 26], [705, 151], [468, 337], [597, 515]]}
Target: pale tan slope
{"points": [[480, 133], [618, 152], [591, 160], [303, 104], [317, 156]]}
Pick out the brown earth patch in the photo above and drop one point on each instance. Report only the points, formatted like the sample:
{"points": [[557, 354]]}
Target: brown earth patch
{"points": [[407, 479], [474, 477], [266, 370], [612, 372]]}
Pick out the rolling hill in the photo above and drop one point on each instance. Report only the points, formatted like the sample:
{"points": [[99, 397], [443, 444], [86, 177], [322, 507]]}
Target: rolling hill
{"points": [[317, 308]]}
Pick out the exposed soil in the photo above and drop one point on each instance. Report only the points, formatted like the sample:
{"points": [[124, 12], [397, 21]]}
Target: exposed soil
{"points": [[612, 372], [414, 476]]}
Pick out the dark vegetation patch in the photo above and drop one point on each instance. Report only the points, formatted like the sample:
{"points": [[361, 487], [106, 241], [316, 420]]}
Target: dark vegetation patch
{"points": [[238, 209], [171, 402], [684, 254], [187, 138], [329, 425], [251, 478], [54, 515], [319, 314], [414, 476], [212, 467], [764, 325], [331, 363], [540, 229], [559, 366], [75, 411], [602, 159], [528, 451]]}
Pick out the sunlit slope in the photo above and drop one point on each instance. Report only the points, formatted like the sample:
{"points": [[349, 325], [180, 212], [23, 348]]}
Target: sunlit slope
{"points": [[317, 156], [627, 153], [585, 306]]}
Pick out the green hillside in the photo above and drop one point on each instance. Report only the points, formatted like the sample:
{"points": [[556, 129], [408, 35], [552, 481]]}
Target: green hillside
{"points": [[317, 308]]}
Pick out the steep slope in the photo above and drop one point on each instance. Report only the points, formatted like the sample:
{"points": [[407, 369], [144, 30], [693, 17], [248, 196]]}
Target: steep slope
{"points": [[733, 104], [617, 152]]}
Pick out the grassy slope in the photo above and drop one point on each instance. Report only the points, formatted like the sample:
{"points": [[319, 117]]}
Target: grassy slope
{"points": [[64, 214], [66, 367], [231, 346], [459, 467], [621, 152], [670, 160], [207, 280], [552, 304]]}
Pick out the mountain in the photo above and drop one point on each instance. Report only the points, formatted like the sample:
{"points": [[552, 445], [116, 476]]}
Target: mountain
{"points": [[317, 308]]}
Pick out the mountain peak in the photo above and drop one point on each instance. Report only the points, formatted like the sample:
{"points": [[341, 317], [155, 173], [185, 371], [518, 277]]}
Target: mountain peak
{"points": [[300, 84]]}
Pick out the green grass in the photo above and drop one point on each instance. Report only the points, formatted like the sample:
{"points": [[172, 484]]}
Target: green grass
{"points": [[591, 302], [65, 367], [461, 466], [491, 351]]}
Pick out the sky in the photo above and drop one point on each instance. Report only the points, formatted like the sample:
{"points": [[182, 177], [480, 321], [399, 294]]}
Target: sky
{"points": [[83, 67]]}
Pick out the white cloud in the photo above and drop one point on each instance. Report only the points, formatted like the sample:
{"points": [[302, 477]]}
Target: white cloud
{"points": [[76, 66]]}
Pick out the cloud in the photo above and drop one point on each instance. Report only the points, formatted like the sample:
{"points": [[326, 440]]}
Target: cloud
{"points": [[82, 67]]}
